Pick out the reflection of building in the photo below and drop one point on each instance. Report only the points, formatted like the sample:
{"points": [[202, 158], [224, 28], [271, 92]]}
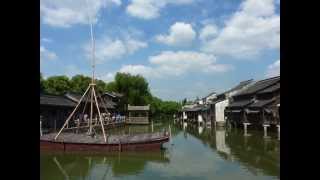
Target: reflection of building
{"points": [[255, 152], [221, 141], [200, 129]]}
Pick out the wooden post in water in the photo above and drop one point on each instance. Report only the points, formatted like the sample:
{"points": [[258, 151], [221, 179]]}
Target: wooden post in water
{"points": [[40, 127], [169, 132], [151, 126], [55, 125], [278, 126], [245, 128], [265, 130]]}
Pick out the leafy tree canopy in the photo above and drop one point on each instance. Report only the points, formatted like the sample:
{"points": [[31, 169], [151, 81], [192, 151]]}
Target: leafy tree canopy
{"points": [[135, 90]]}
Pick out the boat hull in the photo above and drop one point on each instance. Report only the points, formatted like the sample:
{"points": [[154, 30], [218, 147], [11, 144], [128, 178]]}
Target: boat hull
{"points": [[70, 146]]}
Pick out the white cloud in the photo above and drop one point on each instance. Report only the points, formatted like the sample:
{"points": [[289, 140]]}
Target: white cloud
{"points": [[110, 49], [273, 69], [107, 77], [251, 30], [208, 32], [180, 62], [72, 70], [65, 13], [180, 34], [150, 9], [46, 40], [45, 54], [138, 69], [134, 45], [169, 63]]}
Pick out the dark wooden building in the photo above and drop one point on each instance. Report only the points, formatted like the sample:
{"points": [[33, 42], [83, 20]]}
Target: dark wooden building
{"points": [[217, 106], [102, 101], [256, 104], [54, 111]]}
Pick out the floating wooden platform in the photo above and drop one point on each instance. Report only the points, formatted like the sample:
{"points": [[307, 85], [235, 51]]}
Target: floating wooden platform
{"points": [[83, 142]]}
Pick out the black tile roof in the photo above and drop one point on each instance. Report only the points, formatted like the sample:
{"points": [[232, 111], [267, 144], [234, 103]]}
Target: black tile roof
{"points": [[193, 109], [261, 103], [210, 94], [240, 103], [260, 85], [270, 89], [54, 100], [76, 97], [240, 85]]}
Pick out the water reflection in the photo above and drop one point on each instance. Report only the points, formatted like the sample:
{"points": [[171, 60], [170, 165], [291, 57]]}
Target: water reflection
{"points": [[195, 152], [200, 129], [221, 141], [255, 153], [97, 166]]}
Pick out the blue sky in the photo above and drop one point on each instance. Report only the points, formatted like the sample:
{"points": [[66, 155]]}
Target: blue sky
{"points": [[184, 48]]}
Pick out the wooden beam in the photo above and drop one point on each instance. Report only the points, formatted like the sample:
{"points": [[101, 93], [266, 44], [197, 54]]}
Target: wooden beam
{"points": [[95, 97], [91, 108], [72, 113]]}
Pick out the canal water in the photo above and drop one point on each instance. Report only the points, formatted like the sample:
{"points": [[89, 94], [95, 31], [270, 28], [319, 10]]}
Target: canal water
{"points": [[193, 153]]}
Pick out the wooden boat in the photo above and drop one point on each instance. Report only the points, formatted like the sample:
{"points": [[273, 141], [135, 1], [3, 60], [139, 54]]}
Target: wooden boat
{"points": [[77, 141], [83, 142]]}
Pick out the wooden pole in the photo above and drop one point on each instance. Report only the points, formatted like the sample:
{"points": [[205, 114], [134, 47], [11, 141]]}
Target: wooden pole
{"points": [[95, 98], [91, 110], [72, 113]]}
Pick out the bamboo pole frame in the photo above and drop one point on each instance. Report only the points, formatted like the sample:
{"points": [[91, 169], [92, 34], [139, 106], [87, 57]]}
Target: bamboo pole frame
{"points": [[100, 119], [93, 94], [55, 138], [91, 109]]}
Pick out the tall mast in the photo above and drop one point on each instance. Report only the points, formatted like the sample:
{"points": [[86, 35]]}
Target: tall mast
{"points": [[91, 89], [93, 68], [92, 46]]}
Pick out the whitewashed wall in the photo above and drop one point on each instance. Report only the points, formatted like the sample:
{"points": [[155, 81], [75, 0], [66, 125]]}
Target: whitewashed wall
{"points": [[220, 107], [200, 119], [184, 115]]}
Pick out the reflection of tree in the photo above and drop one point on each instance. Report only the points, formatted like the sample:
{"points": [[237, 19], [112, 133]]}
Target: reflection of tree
{"points": [[135, 163], [64, 166]]}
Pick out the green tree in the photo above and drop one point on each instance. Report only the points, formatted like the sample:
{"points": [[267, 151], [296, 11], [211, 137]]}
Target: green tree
{"points": [[101, 86], [184, 101], [57, 85], [135, 89], [41, 83], [79, 83]]}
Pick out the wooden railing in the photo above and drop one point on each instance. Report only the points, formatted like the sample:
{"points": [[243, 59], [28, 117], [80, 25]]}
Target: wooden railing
{"points": [[138, 120]]}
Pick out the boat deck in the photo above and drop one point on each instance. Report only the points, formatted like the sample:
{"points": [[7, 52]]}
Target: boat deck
{"points": [[98, 139]]}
